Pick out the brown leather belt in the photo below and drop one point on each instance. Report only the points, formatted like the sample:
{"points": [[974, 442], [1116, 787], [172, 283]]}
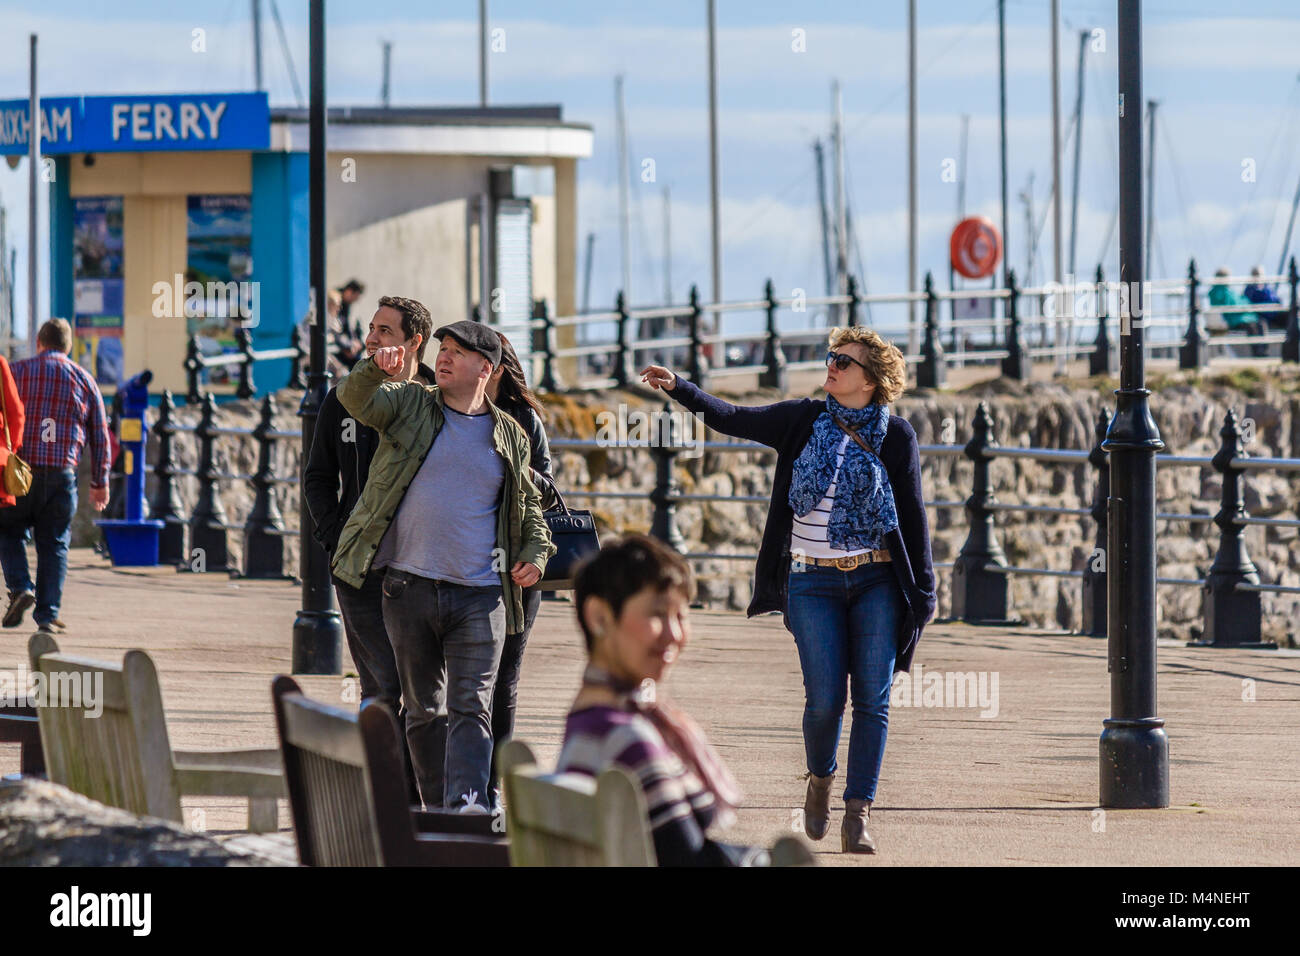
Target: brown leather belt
{"points": [[850, 562]]}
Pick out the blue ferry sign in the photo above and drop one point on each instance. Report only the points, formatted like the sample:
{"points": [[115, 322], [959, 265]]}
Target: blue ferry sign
{"points": [[102, 124]]}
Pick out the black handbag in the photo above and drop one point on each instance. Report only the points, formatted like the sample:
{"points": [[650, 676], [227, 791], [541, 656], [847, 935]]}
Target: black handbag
{"points": [[574, 536]]}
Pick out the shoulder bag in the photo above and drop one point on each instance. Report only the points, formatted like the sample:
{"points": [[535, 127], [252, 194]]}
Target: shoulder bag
{"points": [[17, 473], [574, 535]]}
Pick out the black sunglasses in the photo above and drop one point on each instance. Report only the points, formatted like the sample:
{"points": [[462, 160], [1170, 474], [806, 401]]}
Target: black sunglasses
{"points": [[841, 361]]}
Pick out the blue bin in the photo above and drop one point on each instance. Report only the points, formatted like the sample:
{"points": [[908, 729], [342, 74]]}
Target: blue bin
{"points": [[132, 543]]}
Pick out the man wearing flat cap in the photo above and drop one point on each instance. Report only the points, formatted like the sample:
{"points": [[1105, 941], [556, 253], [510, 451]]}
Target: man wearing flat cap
{"points": [[451, 513]]}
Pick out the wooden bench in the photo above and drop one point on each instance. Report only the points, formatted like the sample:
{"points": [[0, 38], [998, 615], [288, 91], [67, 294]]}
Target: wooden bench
{"points": [[123, 756], [348, 793], [573, 820], [19, 725]]}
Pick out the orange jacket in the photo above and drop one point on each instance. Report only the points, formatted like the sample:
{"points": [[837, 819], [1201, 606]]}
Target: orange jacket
{"points": [[13, 411]]}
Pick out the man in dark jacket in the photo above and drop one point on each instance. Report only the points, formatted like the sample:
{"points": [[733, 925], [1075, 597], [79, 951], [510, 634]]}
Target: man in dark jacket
{"points": [[336, 473]]}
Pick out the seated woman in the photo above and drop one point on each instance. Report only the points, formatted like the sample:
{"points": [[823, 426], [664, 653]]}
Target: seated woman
{"points": [[632, 599]]}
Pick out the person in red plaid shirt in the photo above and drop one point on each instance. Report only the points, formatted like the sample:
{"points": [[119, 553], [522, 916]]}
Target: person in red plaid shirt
{"points": [[64, 412]]}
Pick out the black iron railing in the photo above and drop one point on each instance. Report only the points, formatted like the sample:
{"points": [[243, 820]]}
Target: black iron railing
{"points": [[196, 363], [1232, 587], [1079, 320]]}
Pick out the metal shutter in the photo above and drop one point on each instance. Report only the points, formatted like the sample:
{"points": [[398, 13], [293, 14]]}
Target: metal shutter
{"points": [[514, 277]]}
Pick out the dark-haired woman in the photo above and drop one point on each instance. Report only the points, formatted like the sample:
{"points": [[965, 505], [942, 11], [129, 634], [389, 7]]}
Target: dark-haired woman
{"points": [[633, 599], [845, 555], [509, 391]]}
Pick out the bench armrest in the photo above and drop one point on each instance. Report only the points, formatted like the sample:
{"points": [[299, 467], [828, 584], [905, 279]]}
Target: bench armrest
{"points": [[226, 759], [262, 788], [229, 782]]}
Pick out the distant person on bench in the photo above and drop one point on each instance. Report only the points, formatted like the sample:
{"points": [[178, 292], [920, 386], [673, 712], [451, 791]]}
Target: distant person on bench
{"points": [[1259, 293], [1237, 323], [1220, 295]]}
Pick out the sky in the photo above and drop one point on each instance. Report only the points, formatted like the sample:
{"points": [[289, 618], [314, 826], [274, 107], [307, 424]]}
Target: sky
{"points": [[1226, 81]]}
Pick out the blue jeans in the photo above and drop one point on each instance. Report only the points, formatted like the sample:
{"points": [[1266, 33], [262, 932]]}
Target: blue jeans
{"points": [[447, 641], [845, 626], [48, 508]]}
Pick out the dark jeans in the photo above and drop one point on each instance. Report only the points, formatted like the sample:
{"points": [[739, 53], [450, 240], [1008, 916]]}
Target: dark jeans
{"points": [[48, 508], [362, 610], [447, 639], [845, 625], [506, 694]]}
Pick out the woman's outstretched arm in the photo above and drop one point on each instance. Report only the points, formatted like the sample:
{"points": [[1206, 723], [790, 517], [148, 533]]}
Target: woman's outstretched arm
{"points": [[766, 424]]}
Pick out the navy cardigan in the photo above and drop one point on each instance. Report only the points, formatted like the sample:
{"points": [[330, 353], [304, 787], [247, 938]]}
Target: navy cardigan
{"points": [[786, 427]]}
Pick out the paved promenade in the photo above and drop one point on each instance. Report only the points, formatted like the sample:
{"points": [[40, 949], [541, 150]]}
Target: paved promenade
{"points": [[957, 788]]}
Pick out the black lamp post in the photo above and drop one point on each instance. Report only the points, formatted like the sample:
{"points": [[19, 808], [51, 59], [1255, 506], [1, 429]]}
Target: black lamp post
{"points": [[1134, 770], [317, 631]]}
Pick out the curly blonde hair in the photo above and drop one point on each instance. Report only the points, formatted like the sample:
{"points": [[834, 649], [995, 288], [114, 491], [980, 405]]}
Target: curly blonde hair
{"points": [[886, 365]]}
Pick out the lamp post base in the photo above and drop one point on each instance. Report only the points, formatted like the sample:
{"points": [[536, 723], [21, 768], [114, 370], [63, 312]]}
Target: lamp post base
{"points": [[317, 643], [1134, 763]]}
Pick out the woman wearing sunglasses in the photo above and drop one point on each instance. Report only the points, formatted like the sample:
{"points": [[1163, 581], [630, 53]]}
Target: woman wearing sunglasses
{"points": [[845, 554]]}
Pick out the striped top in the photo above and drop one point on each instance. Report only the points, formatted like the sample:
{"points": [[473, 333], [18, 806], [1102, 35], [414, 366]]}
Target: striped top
{"points": [[681, 809], [809, 532]]}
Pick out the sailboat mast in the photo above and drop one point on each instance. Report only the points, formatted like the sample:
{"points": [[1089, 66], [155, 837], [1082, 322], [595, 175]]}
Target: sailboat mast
{"points": [[1290, 224], [825, 213], [668, 246], [715, 214], [913, 337], [625, 248], [841, 227], [1078, 154], [1151, 184], [1056, 177]]}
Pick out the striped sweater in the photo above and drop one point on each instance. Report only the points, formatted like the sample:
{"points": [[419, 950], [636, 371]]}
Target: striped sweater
{"points": [[680, 808]]}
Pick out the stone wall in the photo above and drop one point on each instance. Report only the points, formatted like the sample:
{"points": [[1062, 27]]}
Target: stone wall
{"points": [[1189, 411]]}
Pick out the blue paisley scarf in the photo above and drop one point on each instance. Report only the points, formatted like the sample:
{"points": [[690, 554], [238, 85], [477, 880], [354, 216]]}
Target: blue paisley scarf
{"points": [[863, 512]]}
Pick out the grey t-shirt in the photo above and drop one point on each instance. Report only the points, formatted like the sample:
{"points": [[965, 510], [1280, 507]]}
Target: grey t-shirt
{"points": [[446, 525]]}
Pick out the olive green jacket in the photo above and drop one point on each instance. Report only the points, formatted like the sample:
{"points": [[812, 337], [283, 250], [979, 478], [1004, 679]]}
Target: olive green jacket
{"points": [[408, 417]]}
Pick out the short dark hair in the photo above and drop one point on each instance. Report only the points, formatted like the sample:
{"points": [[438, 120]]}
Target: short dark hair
{"points": [[55, 334], [415, 318], [623, 568], [352, 285]]}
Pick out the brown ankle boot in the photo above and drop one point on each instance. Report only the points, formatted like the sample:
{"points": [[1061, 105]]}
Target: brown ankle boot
{"points": [[817, 805], [853, 833]]}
